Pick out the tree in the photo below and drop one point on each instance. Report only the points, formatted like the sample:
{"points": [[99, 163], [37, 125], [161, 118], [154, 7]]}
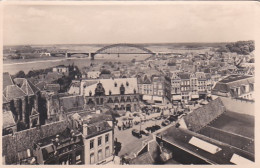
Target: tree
{"points": [[105, 71], [133, 60], [20, 74]]}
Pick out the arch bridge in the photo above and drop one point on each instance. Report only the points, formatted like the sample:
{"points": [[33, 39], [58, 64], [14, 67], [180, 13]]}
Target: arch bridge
{"points": [[121, 48]]}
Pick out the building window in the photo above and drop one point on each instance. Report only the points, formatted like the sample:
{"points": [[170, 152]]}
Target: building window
{"points": [[99, 155], [92, 158], [107, 138], [107, 151], [91, 144], [99, 141]]}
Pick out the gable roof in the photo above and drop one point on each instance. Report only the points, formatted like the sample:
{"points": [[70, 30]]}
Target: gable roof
{"points": [[7, 80], [41, 85], [8, 119], [226, 84], [202, 116], [26, 86], [12, 92]]}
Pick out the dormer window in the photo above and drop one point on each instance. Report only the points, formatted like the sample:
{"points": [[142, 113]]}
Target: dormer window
{"points": [[134, 91], [110, 93], [127, 84], [90, 93], [115, 84], [122, 89]]}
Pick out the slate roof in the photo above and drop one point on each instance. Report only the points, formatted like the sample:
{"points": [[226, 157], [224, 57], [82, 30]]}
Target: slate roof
{"points": [[12, 92], [8, 119], [7, 80], [26, 86]]}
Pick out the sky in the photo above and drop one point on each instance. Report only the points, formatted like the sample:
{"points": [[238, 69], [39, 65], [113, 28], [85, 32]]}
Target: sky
{"points": [[127, 23]]}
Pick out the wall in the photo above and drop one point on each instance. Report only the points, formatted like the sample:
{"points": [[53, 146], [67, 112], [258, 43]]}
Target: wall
{"points": [[97, 148]]}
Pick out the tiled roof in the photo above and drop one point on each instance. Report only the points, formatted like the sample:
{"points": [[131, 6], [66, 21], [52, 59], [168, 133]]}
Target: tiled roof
{"points": [[52, 76], [145, 158], [8, 119], [225, 87], [202, 116], [184, 76], [41, 85], [12, 92], [53, 87], [109, 85], [7, 80]]}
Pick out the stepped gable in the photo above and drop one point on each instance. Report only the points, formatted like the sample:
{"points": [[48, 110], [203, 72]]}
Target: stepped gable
{"points": [[113, 85]]}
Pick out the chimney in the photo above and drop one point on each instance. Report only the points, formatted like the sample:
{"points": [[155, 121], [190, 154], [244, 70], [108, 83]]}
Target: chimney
{"points": [[85, 130]]}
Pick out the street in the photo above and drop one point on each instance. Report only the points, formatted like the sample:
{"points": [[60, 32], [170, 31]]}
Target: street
{"points": [[131, 144]]}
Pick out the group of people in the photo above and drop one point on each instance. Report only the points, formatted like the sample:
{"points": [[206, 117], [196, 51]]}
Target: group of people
{"points": [[124, 124]]}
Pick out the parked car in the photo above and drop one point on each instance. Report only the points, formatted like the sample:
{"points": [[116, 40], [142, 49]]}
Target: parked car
{"points": [[177, 125], [172, 118], [144, 132], [165, 123], [156, 127], [136, 133]]}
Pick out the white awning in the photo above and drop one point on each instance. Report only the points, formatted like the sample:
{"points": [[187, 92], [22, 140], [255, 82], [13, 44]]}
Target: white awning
{"points": [[194, 96], [176, 97], [238, 160], [157, 98], [204, 145], [147, 97]]}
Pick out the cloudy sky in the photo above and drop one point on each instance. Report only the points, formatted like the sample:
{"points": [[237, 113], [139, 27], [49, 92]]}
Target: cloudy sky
{"points": [[132, 23]]}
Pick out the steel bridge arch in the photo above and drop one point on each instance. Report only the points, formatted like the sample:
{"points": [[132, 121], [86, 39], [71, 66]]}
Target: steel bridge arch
{"points": [[99, 51]]}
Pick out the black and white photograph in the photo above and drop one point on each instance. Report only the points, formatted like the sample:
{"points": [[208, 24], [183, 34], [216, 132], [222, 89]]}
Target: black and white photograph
{"points": [[128, 83]]}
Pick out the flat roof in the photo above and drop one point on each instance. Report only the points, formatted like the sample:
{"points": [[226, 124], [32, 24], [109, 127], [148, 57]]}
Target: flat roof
{"points": [[181, 138], [232, 78]]}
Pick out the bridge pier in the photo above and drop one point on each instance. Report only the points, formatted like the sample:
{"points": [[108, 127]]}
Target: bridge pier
{"points": [[67, 55], [92, 55]]}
